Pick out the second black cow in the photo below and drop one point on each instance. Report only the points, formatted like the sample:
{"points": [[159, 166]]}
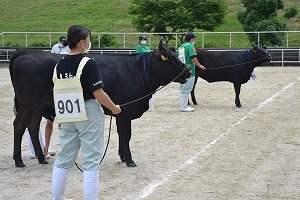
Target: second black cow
{"points": [[232, 66]]}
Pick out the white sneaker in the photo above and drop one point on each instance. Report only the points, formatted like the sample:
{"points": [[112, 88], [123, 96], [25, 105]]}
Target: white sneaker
{"points": [[51, 152], [47, 156], [187, 109], [34, 157]]}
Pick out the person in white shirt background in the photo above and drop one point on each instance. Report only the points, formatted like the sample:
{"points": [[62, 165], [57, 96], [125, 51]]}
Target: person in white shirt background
{"points": [[61, 47]]}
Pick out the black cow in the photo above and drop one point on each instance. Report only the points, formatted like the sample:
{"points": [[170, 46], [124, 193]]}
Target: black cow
{"points": [[127, 78], [235, 67]]}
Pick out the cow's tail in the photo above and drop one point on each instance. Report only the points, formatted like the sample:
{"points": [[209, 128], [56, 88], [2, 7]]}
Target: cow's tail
{"points": [[11, 65]]}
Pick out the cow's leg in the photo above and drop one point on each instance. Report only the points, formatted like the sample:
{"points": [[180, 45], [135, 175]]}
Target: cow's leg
{"points": [[19, 129], [237, 89], [193, 92], [23, 116], [33, 128], [121, 147], [124, 131]]}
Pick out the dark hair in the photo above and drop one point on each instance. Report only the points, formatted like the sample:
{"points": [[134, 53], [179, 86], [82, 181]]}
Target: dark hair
{"points": [[62, 38], [65, 43], [77, 33], [189, 36], [142, 37]]}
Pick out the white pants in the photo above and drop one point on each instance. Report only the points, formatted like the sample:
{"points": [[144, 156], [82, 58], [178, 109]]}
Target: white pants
{"points": [[188, 86], [87, 135], [31, 148]]}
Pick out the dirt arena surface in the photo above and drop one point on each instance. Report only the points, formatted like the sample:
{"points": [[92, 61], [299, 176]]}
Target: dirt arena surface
{"points": [[216, 152]]}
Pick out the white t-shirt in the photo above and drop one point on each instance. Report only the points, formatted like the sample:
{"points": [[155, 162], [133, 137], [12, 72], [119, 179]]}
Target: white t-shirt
{"points": [[60, 49]]}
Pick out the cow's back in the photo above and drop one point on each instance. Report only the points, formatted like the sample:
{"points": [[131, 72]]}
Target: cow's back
{"points": [[31, 73], [33, 64], [221, 66], [33, 70], [121, 77]]}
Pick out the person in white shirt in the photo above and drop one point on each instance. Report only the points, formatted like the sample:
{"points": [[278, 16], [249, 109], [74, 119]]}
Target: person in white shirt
{"points": [[61, 47]]}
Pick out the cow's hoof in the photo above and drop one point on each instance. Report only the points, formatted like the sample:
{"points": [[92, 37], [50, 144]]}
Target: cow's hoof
{"points": [[20, 164], [239, 106], [122, 158], [131, 164], [195, 103], [42, 160], [45, 162]]}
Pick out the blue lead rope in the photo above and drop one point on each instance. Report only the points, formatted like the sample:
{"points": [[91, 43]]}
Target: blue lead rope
{"points": [[248, 54], [144, 63]]}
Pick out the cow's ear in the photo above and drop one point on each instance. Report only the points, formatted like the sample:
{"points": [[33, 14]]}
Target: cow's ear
{"points": [[162, 45], [254, 49]]}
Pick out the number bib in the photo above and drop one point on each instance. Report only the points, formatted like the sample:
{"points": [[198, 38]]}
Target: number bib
{"points": [[70, 107], [68, 97], [181, 55]]}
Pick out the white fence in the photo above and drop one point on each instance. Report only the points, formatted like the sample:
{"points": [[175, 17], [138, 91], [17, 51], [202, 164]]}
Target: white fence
{"points": [[285, 56], [129, 40], [282, 57]]}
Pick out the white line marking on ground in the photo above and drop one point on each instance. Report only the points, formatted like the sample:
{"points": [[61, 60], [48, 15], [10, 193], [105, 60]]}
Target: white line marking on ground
{"points": [[152, 186]]}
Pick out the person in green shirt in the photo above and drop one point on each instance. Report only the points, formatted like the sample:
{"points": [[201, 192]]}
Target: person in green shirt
{"points": [[188, 55], [141, 47]]}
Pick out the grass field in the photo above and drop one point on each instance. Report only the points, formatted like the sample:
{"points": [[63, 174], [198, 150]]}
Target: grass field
{"points": [[102, 16]]}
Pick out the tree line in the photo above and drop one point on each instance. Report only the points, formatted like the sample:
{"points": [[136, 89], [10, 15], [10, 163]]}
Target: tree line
{"points": [[181, 16]]}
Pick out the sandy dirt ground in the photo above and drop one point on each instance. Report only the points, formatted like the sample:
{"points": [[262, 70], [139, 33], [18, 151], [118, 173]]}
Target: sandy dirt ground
{"points": [[216, 152]]}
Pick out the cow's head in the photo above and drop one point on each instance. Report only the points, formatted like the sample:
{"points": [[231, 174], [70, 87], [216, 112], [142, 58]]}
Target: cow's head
{"points": [[258, 55], [170, 65]]}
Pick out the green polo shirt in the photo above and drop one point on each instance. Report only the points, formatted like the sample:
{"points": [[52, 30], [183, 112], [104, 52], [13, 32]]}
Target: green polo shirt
{"points": [[189, 50], [140, 48]]}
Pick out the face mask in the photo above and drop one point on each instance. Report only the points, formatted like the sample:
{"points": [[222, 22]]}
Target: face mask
{"points": [[193, 41], [143, 41], [87, 50]]}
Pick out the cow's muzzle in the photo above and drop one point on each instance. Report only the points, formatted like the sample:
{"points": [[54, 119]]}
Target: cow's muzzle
{"points": [[185, 75]]}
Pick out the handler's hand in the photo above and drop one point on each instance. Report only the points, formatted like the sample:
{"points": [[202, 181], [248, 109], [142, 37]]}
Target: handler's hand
{"points": [[116, 110], [202, 67]]}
